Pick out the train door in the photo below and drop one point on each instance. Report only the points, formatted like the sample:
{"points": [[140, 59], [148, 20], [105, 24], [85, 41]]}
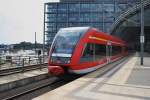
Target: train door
{"points": [[108, 51]]}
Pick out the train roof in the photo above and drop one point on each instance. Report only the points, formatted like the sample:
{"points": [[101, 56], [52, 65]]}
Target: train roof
{"points": [[85, 29], [109, 37], [75, 28]]}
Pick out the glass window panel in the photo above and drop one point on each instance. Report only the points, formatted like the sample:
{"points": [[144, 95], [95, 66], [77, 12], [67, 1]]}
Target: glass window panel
{"points": [[85, 17], [51, 24], [107, 30], [107, 27], [74, 24], [108, 24], [96, 7], [109, 19], [109, 14], [51, 15], [51, 19], [49, 39], [62, 8], [48, 34], [74, 7], [51, 29], [85, 24], [62, 17], [52, 8], [121, 7], [108, 7], [61, 25], [74, 17], [95, 17], [85, 7], [97, 25]]}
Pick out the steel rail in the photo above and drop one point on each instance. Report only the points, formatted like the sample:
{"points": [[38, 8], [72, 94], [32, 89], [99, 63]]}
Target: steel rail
{"points": [[25, 90], [9, 71], [51, 81]]}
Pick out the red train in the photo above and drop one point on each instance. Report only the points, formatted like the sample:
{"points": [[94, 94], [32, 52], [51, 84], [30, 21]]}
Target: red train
{"points": [[81, 50]]}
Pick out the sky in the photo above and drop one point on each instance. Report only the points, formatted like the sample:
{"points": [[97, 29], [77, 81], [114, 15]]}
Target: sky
{"points": [[20, 19]]}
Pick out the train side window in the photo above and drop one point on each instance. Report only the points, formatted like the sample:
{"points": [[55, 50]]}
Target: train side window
{"points": [[116, 50], [92, 52], [125, 49], [100, 51], [87, 53]]}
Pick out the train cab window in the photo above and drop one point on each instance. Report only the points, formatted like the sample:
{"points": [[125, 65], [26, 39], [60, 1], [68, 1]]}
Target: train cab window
{"points": [[116, 50], [92, 52]]}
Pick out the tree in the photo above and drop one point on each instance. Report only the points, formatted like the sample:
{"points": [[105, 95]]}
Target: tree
{"points": [[27, 45]]}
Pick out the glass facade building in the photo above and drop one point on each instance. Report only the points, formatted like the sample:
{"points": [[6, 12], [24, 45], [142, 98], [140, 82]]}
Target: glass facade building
{"points": [[75, 13]]}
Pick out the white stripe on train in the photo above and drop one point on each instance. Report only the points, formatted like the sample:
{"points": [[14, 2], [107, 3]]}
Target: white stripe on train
{"points": [[86, 70], [61, 55]]}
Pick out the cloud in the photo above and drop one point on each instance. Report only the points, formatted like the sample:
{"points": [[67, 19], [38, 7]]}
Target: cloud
{"points": [[20, 19], [51, 0]]}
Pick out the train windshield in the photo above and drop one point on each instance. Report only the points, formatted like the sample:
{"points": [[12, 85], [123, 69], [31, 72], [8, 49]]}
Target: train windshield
{"points": [[66, 41]]}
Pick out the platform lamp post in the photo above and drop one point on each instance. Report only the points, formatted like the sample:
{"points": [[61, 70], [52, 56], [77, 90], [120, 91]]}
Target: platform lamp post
{"points": [[142, 37]]}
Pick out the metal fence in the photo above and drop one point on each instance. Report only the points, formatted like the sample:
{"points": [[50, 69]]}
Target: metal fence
{"points": [[7, 62]]}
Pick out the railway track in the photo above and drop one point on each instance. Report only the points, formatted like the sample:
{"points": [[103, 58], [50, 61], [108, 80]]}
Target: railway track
{"points": [[37, 88], [26, 92], [21, 69]]}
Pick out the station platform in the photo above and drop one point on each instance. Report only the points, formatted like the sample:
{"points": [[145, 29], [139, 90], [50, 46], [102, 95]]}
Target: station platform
{"points": [[127, 81], [19, 79], [19, 76]]}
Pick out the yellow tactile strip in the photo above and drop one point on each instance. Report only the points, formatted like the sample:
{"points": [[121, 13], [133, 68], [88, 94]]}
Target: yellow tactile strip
{"points": [[122, 75]]}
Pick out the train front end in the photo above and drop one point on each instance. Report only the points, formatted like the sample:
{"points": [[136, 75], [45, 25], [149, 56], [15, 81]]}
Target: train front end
{"points": [[62, 49]]}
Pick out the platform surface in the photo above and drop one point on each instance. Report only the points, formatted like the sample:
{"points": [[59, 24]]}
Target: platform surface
{"points": [[22, 75], [127, 81]]}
